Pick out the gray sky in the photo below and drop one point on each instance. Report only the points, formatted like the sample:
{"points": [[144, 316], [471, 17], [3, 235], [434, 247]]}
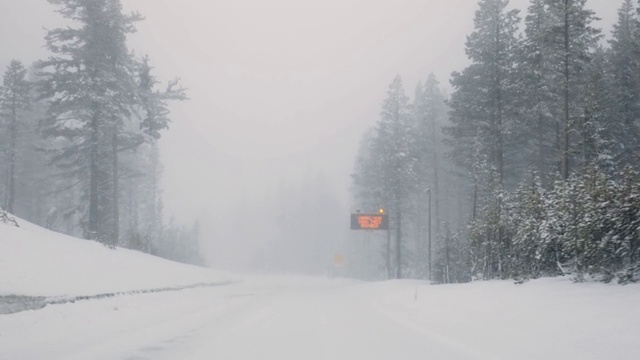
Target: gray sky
{"points": [[279, 89]]}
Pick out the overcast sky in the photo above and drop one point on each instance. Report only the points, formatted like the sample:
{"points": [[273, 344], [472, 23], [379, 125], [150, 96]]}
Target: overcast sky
{"points": [[278, 89]]}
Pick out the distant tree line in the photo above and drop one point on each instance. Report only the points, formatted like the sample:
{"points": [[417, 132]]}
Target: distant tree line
{"points": [[541, 137], [79, 135], [306, 220]]}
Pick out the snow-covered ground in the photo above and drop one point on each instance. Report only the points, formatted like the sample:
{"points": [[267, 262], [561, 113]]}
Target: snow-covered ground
{"points": [[38, 262], [289, 317]]}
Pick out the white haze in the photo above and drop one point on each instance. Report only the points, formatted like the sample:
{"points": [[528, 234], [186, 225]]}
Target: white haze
{"points": [[280, 91]]}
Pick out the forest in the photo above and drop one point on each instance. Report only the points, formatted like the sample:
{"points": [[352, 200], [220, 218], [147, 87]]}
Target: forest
{"points": [[526, 167], [529, 168], [79, 133]]}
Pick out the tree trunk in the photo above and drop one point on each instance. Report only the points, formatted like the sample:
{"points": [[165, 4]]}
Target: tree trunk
{"points": [[576, 240], [541, 171], [93, 181], [154, 231], [429, 242], [498, 106], [388, 262], [565, 132], [398, 241], [436, 183], [447, 239], [419, 223], [11, 178], [475, 198], [541, 123], [116, 192]]}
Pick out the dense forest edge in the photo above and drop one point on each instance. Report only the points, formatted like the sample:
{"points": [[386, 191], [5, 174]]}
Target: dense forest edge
{"points": [[528, 169], [79, 133]]}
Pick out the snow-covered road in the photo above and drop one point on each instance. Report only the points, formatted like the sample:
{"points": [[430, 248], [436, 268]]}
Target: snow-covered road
{"points": [[314, 324], [307, 318]]}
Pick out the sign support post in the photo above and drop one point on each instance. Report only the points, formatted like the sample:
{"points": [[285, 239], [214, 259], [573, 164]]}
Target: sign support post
{"points": [[379, 221], [429, 245]]}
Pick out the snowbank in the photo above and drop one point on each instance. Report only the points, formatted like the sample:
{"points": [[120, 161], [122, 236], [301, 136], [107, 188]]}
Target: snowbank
{"points": [[38, 262], [552, 318]]}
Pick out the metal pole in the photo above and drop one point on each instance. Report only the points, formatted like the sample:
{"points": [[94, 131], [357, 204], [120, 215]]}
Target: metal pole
{"points": [[429, 243], [388, 263], [399, 244]]}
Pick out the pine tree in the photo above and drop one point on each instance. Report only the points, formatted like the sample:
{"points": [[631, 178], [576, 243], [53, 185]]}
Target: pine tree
{"points": [[15, 97], [529, 215], [597, 140], [482, 110], [392, 149], [484, 116], [430, 114], [89, 82], [368, 193], [154, 101], [384, 175], [570, 38], [433, 117], [140, 166], [551, 255], [539, 116], [624, 225], [597, 198], [624, 89], [452, 260], [37, 184]]}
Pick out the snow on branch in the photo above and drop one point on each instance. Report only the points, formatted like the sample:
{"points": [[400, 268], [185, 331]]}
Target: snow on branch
{"points": [[5, 218]]}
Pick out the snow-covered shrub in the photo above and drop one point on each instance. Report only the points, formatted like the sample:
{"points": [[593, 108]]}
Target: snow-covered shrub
{"points": [[6, 218]]}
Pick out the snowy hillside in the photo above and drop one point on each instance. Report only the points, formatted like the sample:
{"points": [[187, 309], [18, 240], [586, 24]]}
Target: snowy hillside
{"points": [[38, 262]]}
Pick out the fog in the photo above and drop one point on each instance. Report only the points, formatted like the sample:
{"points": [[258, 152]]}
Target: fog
{"points": [[280, 92]]}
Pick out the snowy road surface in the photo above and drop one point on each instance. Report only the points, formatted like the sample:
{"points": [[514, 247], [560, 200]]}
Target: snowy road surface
{"points": [[306, 319]]}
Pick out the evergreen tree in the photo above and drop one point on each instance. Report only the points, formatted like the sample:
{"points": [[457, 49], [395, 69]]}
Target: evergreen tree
{"points": [[539, 116], [491, 239], [596, 137], [368, 192], [570, 38], [430, 112], [384, 175], [624, 89], [38, 184], [624, 226], [90, 85], [452, 261], [15, 98], [141, 167], [392, 150], [529, 214], [432, 116], [155, 101], [597, 195], [482, 110], [484, 119]]}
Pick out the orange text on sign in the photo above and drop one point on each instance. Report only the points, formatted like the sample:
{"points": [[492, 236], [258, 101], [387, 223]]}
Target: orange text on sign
{"points": [[370, 222]]}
